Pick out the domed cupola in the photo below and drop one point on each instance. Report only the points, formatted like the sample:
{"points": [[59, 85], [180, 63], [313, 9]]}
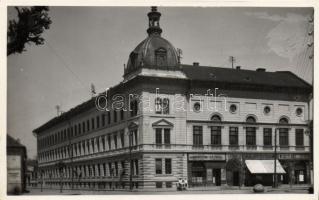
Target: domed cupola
{"points": [[154, 52]]}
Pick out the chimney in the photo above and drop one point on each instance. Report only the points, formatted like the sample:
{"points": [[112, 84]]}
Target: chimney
{"points": [[260, 69], [238, 67], [195, 63]]}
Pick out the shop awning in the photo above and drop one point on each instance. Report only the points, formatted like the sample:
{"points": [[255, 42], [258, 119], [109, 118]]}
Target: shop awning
{"points": [[264, 167]]}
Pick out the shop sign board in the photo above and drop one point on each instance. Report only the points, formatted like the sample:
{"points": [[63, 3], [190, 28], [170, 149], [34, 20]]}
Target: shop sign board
{"points": [[14, 169], [289, 156], [205, 157]]}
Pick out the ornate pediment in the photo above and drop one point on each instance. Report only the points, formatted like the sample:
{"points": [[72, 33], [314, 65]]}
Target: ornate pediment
{"points": [[163, 122]]}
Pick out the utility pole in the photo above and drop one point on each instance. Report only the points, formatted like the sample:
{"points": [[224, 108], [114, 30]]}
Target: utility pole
{"points": [[232, 60], [42, 172], [57, 107], [131, 166], [275, 160], [70, 152]]}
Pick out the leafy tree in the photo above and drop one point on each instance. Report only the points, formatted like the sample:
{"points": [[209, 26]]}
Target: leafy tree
{"points": [[28, 28]]}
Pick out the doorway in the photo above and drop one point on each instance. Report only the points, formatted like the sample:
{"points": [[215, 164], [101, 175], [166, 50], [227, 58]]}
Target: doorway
{"points": [[236, 178], [217, 176]]}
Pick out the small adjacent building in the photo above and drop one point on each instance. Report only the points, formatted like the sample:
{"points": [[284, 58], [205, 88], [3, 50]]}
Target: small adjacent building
{"points": [[32, 173], [209, 125], [16, 166]]}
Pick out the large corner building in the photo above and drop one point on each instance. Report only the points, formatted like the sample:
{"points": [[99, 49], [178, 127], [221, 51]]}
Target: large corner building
{"points": [[225, 135]]}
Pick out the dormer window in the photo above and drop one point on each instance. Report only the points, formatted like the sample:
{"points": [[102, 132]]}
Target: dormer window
{"points": [[161, 57], [133, 57]]}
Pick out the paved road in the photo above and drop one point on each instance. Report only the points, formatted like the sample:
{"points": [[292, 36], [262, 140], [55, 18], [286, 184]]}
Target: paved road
{"points": [[228, 191]]}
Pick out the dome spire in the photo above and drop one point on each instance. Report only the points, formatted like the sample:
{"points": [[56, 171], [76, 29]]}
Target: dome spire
{"points": [[153, 22]]}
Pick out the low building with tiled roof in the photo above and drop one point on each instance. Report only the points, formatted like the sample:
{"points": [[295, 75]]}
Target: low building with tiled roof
{"points": [[16, 167]]}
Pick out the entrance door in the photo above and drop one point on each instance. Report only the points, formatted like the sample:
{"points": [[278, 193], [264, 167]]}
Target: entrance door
{"points": [[217, 176], [236, 178]]}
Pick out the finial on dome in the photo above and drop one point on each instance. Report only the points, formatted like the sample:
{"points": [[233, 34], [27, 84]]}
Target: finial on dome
{"points": [[153, 21], [153, 8]]}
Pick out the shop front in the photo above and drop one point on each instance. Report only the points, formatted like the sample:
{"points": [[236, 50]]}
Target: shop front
{"points": [[206, 169], [298, 167], [262, 172]]}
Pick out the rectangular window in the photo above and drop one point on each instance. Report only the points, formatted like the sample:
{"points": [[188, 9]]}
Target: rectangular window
{"points": [[111, 169], [135, 136], [159, 184], [122, 138], [116, 169], [122, 114], [167, 136], [83, 127], [92, 123], [109, 141], [216, 135], [108, 117], [267, 136], [75, 130], [133, 108], [115, 141], [80, 129], [92, 144], [166, 106], [197, 135], [98, 144], [283, 137], [299, 137], [158, 105], [136, 167], [104, 168], [168, 184], [72, 131], [103, 143], [250, 136], [115, 116], [158, 136], [88, 125], [88, 146], [103, 120], [162, 106], [69, 135], [123, 167], [158, 166], [90, 171], [233, 136], [83, 147], [168, 166], [97, 121]]}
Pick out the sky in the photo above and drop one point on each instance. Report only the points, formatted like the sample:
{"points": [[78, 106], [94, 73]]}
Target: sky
{"points": [[90, 45]]}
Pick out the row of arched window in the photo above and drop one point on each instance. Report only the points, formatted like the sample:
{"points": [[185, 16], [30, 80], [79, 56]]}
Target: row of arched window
{"points": [[249, 119]]}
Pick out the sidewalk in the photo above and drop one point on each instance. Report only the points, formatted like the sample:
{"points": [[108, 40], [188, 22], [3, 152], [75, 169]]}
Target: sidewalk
{"points": [[267, 188], [194, 190]]}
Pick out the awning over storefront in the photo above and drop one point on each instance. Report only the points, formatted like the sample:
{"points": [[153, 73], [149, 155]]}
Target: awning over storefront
{"points": [[264, 167]]}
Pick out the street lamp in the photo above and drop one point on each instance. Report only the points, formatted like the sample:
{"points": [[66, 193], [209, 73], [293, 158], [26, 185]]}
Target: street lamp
{"points": [[275, 160], [42, 172], [309, 133], [130, 134], [60, 166]]}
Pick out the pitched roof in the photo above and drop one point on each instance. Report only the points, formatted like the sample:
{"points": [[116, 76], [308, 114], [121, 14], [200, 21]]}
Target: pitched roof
{"points": [[67, 115], [241, 76], [203, 73], [11, 142]]}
